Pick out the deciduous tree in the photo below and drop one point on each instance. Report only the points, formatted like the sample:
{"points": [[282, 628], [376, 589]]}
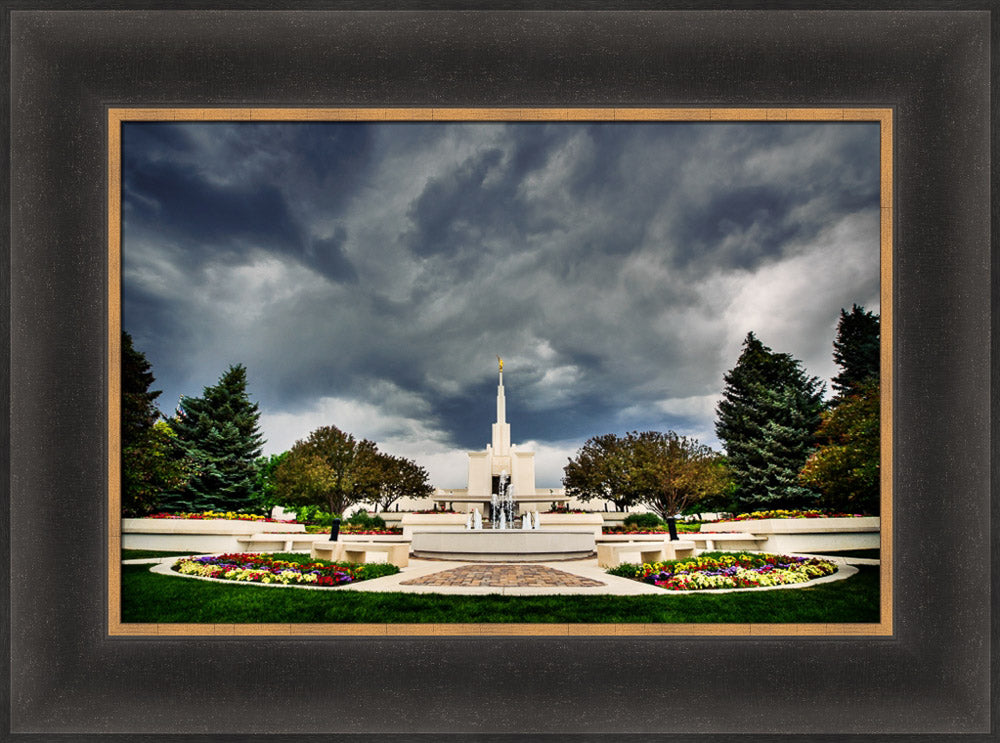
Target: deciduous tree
{"points": [[673, 472], [399, 477], [264, 484], [601, 470], [845, 468], [151, 466], [330, 468]]}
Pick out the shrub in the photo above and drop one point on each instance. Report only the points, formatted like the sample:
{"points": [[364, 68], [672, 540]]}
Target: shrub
{"points": [[644, 520], [362, 520], [315, 515]]}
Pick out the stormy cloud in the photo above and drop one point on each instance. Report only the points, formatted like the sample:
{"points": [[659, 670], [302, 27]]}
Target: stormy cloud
{"points": [[368, 274]]}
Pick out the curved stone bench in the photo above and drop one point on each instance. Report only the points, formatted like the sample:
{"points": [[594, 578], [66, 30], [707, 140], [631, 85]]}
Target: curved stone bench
{"points": [[278, 542], [723, 540], [397, 553]]}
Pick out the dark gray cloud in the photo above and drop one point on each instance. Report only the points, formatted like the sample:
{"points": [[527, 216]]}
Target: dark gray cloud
{"points": [[366, 274]]}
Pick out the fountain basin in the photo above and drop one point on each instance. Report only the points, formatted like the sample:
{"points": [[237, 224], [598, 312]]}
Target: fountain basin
{"points": [[503, 545]]}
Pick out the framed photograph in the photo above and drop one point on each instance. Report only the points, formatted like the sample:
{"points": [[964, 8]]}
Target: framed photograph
{"points": [[188, 176], [516, 190]]}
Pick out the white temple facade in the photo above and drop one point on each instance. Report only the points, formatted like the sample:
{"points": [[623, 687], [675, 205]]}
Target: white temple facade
{"points": [[499, 458]]}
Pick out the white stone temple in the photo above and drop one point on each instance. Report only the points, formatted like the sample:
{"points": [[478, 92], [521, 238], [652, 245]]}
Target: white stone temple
{"points": [[501, 458]]}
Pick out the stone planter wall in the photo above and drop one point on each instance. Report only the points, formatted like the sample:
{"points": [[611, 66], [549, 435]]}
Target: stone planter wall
{"points": [[581, 522], [807, 535], [417, 522], [197, 535]]}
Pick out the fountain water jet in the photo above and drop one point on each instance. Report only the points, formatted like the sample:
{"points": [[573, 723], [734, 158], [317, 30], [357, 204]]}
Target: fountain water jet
{"points": [[503, 507]]}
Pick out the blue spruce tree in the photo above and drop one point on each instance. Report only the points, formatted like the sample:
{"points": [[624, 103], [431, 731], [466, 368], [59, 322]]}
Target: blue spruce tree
{"points": [[220, 434], [767, 421]]}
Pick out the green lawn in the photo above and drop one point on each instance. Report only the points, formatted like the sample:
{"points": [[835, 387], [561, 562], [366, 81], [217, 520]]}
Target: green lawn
{"points": [[142, 554], [167, 599], [874, 554]]}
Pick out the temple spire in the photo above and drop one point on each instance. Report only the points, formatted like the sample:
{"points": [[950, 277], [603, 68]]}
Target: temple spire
{"points": [[501, 403], [501, 430]]}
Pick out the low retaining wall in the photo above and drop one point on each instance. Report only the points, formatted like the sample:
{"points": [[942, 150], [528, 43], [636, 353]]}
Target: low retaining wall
{"points": [[197, 535], [635, 537], [503, 545], [417, 522], [589, 523], [805, 535]]}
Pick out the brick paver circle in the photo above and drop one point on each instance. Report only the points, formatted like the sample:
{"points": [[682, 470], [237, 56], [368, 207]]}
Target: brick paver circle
{"points": [[503, 576]]}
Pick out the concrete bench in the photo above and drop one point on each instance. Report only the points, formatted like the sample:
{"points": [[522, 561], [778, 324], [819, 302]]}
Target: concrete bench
{"points": [[609, 553], [282, 542], [725, 540], [398, 553]]}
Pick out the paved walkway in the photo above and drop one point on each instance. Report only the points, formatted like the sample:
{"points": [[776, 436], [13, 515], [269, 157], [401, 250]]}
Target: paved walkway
{"points": [[503, 576]]}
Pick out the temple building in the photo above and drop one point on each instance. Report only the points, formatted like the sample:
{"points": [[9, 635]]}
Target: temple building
{"points": [[501, 460]]}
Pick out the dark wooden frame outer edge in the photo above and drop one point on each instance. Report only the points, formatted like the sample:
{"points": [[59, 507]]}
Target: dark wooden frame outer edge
{"points": [[931, 679]]}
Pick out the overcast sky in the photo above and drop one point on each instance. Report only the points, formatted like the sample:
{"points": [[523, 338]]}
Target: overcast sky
{"points": [[367, 275]]}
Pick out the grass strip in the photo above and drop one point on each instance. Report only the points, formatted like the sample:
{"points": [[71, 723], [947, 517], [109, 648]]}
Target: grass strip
{"points": [[143, 554], [873, 554], [147, 597]]}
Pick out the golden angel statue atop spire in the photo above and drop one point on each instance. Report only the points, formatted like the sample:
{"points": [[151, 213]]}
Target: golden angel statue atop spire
{"points": [[500, 362]]}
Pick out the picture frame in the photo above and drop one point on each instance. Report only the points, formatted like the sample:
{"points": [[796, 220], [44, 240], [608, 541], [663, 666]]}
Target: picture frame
{"points": [[930, 677]]}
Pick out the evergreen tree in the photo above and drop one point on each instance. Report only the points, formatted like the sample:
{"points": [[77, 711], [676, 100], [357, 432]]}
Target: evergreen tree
{"points": [[139, 411], [150, 464], [855, 350], [219, 432], [767, 419]]}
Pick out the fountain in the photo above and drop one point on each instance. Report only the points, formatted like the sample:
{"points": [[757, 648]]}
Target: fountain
{"points": [[502, 506], [503, 541]]}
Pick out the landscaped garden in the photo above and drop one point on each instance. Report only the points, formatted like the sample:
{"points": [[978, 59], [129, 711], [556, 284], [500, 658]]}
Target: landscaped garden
{"points": [[148, 597], [648, 523], [219, 515], [812, 513], [204, 464]]}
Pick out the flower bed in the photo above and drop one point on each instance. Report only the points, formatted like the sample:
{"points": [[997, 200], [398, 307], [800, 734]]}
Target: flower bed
{"points": [[350, 529], [634, 530], [436, 510], [566, 509], [786, 514], [715, 571], [262, 568], [681, 529], [227, 516]]}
